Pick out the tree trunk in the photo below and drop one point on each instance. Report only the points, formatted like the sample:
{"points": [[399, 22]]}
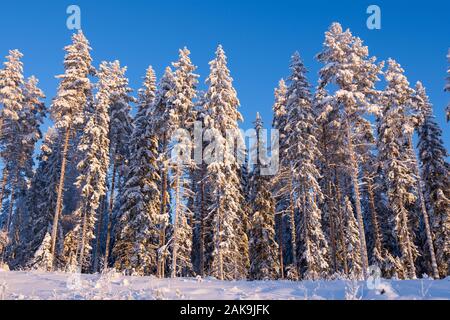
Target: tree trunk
{"points": [[162, 234], [3, 187], [280, 244], [373, 211], [110, 212], [406, 236], [354, 175], [176, 222], [293, 229], [11, 202], [332, 228], [59, 198], [82, 241], [423, 207], [341, 223], [219, 240], [99, 234], [202, 224]]}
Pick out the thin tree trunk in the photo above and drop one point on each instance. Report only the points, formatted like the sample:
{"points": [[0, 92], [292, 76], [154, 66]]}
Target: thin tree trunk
{"points": [[219, 240], [332, 228], [11, 203], [202, 225], [59, 198], [423, 207], [110, 211], [405, 230], [293, 229], [354, 175], [162, 235], [373, 211], [3, 187], [99, 234], [341, 223], [176, 223], [82, 241], [280, 244]]}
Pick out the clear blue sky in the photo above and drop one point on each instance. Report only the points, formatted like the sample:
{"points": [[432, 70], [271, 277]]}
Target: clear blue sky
{"points": [[258, 36]]}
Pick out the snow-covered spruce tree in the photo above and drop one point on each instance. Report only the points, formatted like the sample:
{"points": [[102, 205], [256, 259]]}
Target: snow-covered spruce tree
{"points": [[93, 169], [328, 142], [352, 241], [303, 154], [135, 249], [447, 86], [222, 180], [283, 186], [67, 109], [30, 119], [40, 202], [181, 100], [393, 128], [264, 260], [162, 120], [279, 190], [349, 67], [435, 176], [11, 102], [120, 130], [428, 251]]}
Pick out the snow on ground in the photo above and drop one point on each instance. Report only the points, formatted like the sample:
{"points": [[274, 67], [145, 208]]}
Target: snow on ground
{"points": [[56, 286]]}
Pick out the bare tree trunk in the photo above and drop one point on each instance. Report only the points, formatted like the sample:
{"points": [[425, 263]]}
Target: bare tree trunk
{"points": [[423, 207], [341, 222], [293, 229], [110, 212], [406, 236], [82, 241], [202, 225], [219, 241], [354, 175], [162, 234], [11, 202], [59, 198], [99, 234], [280, 244], [176, 222], [332, 229], [373, 211], [3, 187]]}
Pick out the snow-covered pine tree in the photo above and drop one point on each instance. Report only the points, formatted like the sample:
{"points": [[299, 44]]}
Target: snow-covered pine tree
{"points": [[135, 249], [120, 130], [181, 100], [42, 259], [162, 120], [351, 247], [40, 202], [393, 140], [435, 176], [447, 86], [93, 170], [264, 260], [11, 101], [279, 189], [28, 134], [349, 67], [67, 109], [222, 180], [303, 154]]}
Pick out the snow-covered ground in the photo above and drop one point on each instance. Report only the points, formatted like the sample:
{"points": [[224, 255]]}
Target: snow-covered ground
{"points": [[36, 285]]}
